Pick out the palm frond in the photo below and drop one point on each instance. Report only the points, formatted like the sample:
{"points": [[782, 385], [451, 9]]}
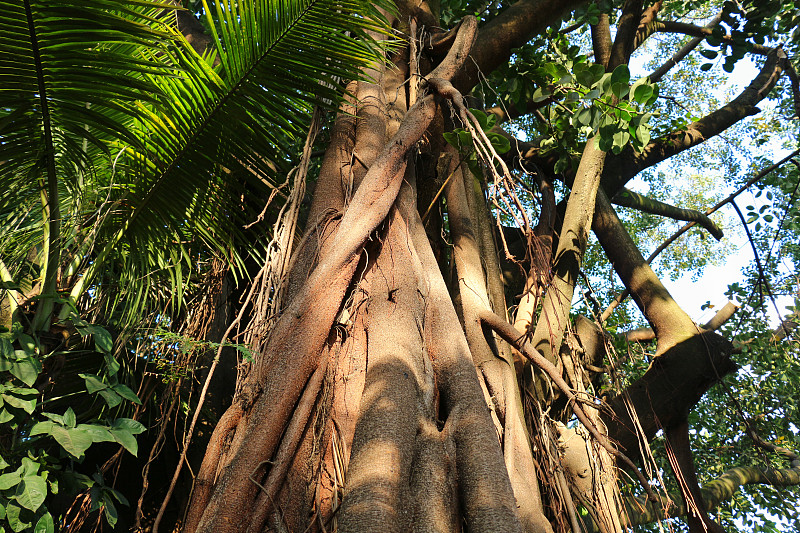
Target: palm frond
{"points": [[128, 152]]}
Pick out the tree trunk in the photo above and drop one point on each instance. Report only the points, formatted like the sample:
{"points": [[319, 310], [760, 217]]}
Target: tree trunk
{"points": [[382, 399]]}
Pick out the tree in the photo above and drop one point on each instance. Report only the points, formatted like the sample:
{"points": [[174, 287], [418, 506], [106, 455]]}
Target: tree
{"points": [[418, 359]]}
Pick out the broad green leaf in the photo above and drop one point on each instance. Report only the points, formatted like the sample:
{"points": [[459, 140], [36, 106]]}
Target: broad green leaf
{"points": [[709, 54], [6, 349], [42, 428], [11, 479], [31, 492], [102, 338], [45, 524], [26, 370], [110, 511], [482, 118], [621, 75], [500, 143], [540, 94], [128, 394], [74, 441], [97, 433], [70, 420], [620, 90], [112, 398], [13, 512], [28, 345], [112, 365], [642, 93], [14, 401], [93, 383], [127, 440], [30, 467], [129, 424]]}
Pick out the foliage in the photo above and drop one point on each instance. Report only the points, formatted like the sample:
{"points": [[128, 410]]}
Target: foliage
{"points": [[35, 440]]}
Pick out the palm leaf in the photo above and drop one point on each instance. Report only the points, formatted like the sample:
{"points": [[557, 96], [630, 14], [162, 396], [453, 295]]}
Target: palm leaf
{"points": [[128, 153]]}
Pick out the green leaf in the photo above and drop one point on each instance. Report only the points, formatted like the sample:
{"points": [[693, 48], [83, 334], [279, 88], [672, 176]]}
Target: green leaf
{"points": [[500, 143], [128, 394], [45, 524], [42, 428], [540, 94], [14, 401], [621, 75], [97, 433], [706, 66], [11, 479], [102, 338], [112, 398], [112, 365], [93, 383], [26, 370], [28, 345], [127, 440], [30, 467], [642, 93], [74, 441], [481, 117], [70, 420], [6, 349], [31, 492], [16, 522], [128, 424], [620, 90], [709, 54], [110, 511]]}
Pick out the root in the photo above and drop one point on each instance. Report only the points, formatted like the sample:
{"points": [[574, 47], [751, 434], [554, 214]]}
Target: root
{"points": [[512, 336], [283, 457]]}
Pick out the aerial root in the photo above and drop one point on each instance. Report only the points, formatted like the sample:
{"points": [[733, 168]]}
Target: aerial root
{"points": [[516, 339]]}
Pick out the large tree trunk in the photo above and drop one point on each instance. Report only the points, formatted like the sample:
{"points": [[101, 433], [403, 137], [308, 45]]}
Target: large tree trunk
{"points": [[382, 399]]}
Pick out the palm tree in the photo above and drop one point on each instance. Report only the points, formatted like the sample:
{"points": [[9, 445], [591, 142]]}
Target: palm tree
{"points": [[122, 147], [128, 158]]}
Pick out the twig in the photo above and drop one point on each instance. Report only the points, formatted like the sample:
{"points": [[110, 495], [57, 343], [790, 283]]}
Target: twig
{"points": [[761, 275]]}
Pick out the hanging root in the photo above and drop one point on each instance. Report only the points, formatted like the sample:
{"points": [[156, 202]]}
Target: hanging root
{"points": [[512, 336]]}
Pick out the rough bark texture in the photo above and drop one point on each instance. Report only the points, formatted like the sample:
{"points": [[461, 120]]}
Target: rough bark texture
{"points": [[392, 396]]}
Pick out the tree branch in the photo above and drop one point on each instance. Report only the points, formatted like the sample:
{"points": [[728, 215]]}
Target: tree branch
{"points": [[684, 51], [755, 179], [511, 29], [628, 198], [668, 26], [670, 323]]}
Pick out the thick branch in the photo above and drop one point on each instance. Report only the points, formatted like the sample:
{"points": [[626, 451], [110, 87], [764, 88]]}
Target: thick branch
{"points": [[511, 29], [549, 331], [601, 40], [714, 493], [702, 32], [626, 33], [672, 385], [628, 198], [667, 319]]}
